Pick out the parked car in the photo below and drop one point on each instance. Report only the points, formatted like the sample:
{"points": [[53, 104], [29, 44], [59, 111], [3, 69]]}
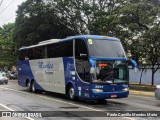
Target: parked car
{"points": [[12, 75], [157, 92], [3, 79]]}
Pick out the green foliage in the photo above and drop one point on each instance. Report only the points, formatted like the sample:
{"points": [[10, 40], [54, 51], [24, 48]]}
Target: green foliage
{"points": [[7, 46], [135, 22], [90, 16], [139, 15], [151, 45], [140, 19], [37, 21]]}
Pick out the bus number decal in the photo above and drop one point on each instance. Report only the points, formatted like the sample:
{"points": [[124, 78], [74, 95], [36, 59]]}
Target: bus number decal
{"points": [[98, 86]]}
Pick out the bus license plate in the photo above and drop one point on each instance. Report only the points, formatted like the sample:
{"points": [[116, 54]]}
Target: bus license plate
{"points": [[113, 96]]}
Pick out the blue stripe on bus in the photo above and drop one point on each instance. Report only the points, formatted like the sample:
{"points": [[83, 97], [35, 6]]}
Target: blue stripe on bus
{"points": [[96, 58], [26, 70], [68, 63]]}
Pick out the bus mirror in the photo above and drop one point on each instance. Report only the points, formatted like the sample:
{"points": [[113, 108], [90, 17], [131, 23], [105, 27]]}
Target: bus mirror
{"points": [[134, 63], [92, 70]]}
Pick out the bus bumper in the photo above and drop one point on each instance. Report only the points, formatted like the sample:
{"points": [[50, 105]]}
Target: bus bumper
{"points": [[109, 95]]}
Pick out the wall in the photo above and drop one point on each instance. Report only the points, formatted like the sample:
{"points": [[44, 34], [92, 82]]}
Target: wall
{"points": [[146, 76]]}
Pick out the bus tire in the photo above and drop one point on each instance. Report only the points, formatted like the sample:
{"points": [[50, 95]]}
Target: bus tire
{"points": [[33, 89], [28, 86], [71, 93]]}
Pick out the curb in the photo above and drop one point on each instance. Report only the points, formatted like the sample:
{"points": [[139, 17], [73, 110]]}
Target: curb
{"points": [[135, 92]]}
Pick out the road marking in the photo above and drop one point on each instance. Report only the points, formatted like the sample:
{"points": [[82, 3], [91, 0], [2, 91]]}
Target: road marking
{"points": [[51, 99], [62, 101], [13, 110], [129, 118], [6, 107]]}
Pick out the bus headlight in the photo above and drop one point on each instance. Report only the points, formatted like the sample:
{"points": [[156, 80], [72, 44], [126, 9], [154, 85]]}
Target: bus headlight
{"points": [[97, 90], [126, 89]]}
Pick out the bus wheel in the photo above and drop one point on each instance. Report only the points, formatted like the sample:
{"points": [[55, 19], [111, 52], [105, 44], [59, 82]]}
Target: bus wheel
{"points": [[28, 86], [33, 89], [71, 93]]}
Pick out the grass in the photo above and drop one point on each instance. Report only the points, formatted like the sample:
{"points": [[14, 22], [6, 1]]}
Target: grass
{"points": [[142, 87]]}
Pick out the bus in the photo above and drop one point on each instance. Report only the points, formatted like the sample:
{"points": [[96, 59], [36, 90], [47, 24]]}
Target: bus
{"points": [[90, 67]]}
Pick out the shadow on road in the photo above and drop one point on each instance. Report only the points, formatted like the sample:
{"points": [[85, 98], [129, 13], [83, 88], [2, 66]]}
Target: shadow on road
{"points": [[105, 105]]}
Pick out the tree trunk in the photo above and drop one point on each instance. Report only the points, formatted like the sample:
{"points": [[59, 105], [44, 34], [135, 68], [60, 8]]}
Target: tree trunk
{"points": [[140, 81], [152, 76]]}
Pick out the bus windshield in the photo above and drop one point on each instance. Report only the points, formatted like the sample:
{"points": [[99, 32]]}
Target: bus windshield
{"points": [[111, 72], [105, 48]]}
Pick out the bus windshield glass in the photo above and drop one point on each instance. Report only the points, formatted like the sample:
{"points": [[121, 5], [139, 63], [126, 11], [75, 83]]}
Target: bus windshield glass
{"points": [[111, 72], [105, 48]]}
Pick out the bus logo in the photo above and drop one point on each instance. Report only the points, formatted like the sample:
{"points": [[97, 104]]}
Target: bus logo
{"points": [[42, 65]]}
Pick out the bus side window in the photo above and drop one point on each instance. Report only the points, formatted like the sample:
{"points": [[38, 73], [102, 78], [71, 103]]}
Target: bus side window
{"points": [[22, 54], [54, 50], [67, 48], [82, 63], [40, 52], [35, 53], [30, 53], [80, 49]]}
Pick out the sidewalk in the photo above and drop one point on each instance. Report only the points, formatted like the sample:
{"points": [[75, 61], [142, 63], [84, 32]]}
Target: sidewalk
{"points": [[135, 92]]}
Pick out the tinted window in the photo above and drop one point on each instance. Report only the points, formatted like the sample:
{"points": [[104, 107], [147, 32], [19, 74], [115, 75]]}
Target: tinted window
{"points": [[63, 49], [22, 54], [36, 53], [83, 68], [82, 63], [67, 48], [80, 48], [54, 50], [30, 53]]}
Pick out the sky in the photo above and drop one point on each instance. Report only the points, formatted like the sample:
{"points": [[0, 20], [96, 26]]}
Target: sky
{"points": [[8, 10]]}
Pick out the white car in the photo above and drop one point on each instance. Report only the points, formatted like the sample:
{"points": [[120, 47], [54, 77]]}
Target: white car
{"points": [[3, 79], [157, 92]]}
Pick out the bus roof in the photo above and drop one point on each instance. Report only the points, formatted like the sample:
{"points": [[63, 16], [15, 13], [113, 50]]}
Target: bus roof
{"points": [[91, 37], [69, 38], [42, 43]]}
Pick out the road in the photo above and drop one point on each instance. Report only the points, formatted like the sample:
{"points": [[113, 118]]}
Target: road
{"points": [[16, 98]]}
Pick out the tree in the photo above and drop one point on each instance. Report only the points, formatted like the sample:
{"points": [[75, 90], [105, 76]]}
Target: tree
{"points": [[151, 45], [37, 21], [131, 21], [7, 46], [139, 18], [90, 16]]}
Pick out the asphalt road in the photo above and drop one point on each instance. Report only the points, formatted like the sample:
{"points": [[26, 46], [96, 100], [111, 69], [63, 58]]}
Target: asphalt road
{"points": [[16, 98]]}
